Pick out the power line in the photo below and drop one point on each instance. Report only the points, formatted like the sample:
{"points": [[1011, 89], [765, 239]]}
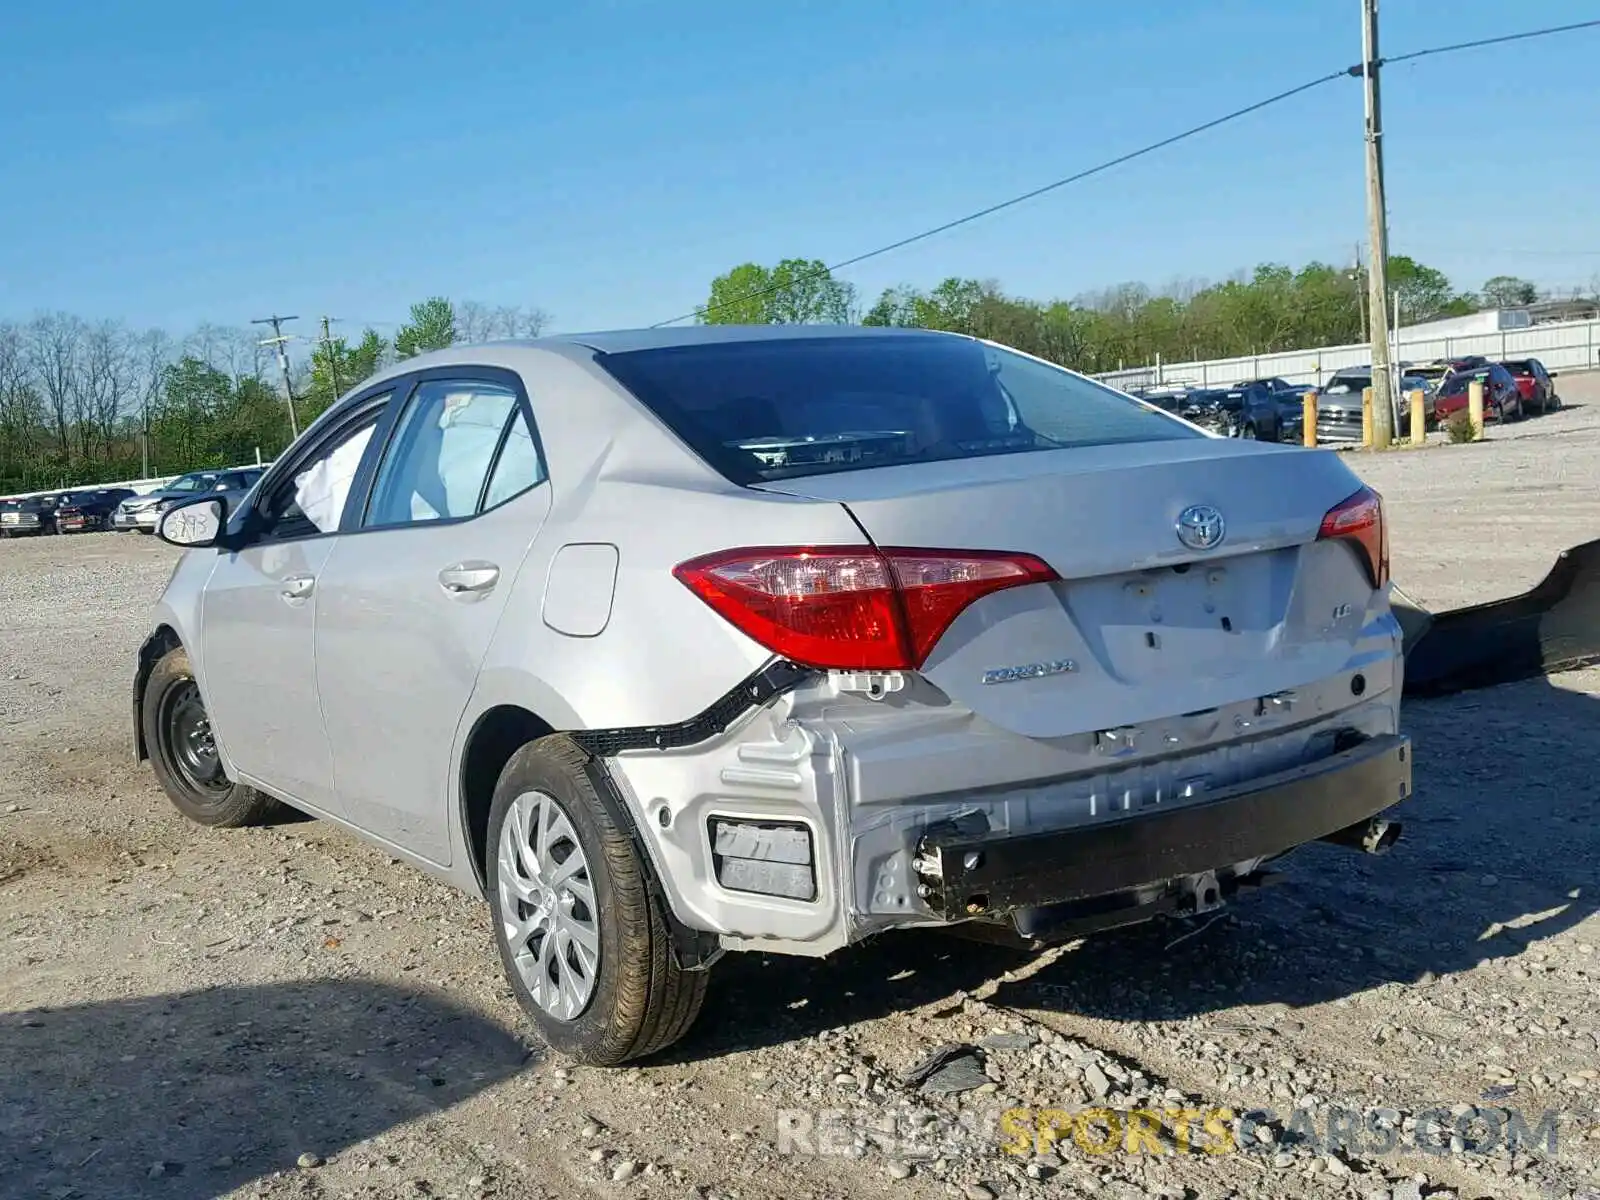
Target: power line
{"points": [[1492, 41], [1015, 200], [1357, 71]]}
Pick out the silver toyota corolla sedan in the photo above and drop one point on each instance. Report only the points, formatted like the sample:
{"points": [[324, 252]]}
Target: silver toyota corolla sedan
{"points": [[676, 642]]}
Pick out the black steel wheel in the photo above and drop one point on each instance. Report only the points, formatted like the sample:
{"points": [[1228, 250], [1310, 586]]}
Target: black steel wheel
{"points": [[183, 751]]}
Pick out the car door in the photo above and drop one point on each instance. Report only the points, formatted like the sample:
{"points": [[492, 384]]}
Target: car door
{"points": [[408, 603], [258, 612]]}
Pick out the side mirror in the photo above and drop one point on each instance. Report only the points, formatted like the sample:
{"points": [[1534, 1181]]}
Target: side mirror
{"points": [[1552, 374], [193, 523]]}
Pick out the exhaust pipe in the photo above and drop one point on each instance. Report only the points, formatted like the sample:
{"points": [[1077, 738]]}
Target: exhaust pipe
{"points": [[1372, 836]]}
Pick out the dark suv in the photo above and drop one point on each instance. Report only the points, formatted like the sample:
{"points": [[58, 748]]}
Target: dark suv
{"points": [[28, 515], [80, 512]]}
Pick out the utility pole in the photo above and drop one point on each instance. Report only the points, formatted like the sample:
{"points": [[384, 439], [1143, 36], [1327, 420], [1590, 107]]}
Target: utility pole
{"points": [[278, 341], [333, 358], [1377, 236]]}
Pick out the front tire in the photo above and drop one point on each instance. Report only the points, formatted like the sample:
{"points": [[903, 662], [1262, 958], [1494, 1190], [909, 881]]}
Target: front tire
{"points": [[582, 935], [183, 752]]}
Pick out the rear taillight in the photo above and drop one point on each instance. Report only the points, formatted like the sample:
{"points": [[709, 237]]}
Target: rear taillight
{"points": [[852, 608], [1360, 521]]}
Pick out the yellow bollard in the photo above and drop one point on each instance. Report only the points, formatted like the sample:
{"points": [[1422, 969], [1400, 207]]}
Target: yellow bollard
{"points": [[1419, 419], [1475, 408], [1366, 417], [1308, 416]]}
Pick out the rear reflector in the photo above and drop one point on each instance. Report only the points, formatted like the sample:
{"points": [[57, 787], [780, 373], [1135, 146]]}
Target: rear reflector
{"points": [[1359, 520], [852, 608]]}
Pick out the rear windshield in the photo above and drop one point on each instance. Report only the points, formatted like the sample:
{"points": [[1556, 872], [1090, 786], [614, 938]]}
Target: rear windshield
{"points": [[1457, 383], [192, 483], [778, 409], [1340, 384], [1519, 368]]}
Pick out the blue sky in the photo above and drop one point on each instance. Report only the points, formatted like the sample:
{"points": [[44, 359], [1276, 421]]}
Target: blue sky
{"points": [[177, 162]]}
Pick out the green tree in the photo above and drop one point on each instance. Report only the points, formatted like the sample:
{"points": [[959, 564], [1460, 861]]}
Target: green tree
{"points": [[795, 292], [1508, 291], [193, 394], [337, 366], [432, 327], [1424, 292]]}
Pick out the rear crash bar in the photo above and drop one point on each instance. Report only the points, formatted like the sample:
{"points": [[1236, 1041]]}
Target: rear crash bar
{"points": [[967, 872]]}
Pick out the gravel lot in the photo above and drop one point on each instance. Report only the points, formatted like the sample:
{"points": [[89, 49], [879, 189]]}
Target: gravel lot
{"points": [[285, 1012]]}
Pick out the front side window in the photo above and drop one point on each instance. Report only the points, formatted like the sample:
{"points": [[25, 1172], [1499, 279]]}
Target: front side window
{"points": [[312, 500], [441, 452], [772, 409], [322, 487]]}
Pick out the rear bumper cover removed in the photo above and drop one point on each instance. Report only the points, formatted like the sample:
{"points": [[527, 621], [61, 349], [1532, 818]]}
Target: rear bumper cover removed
{"points": [[968, 872]]}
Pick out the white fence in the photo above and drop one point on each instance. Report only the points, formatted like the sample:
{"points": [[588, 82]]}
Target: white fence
{"points": [[1560, 345], [141, 486]]}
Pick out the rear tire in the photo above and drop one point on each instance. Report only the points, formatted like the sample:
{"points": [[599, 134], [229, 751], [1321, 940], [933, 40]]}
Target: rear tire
{"points": [[1248, 432], [177, 734], [581, 932]]}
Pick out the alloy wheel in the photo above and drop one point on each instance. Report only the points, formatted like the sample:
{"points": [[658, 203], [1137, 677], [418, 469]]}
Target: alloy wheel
{"points": [[547, 905]]}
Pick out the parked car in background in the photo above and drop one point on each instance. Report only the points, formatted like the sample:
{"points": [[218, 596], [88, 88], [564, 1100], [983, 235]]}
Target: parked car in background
{"points": [[642, 638], [1251, 410], [29, 516], [142, 512], [1167, 397], [1502, 399], [80, 512], [1200, 406], [1339, 403], [1536, 384]]}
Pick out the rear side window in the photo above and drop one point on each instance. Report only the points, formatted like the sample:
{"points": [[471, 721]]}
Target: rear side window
{"points": [[441, 452], [773, 409], [519, 466]]}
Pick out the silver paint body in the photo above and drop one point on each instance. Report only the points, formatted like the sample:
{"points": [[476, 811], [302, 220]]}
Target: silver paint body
{"points": [[354, 699]]}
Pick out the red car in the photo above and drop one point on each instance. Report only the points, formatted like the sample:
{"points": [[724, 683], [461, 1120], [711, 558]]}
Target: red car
{"points": [[1502, 401], [1534, 382]]}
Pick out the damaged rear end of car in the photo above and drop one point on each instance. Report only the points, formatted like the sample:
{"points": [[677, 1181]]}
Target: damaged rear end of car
{"points": [[1083, 666]]}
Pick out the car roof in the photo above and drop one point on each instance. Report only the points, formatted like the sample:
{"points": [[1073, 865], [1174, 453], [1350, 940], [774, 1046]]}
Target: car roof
{"points": [[622, 341], [512, 352]]}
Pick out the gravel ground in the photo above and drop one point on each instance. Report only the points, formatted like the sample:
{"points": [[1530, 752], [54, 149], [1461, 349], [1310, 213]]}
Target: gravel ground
{"points": [[286, 1012]]}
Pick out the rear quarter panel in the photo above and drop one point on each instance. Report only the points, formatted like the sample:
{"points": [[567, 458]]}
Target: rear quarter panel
{"points": [[620, 479]]}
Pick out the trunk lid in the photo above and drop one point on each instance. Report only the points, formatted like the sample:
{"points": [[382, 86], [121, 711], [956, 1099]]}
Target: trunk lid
{"points": [[1150, 626]]}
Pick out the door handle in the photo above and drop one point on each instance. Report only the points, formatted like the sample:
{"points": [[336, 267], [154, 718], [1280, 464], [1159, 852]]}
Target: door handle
{"points": [[469, 577], [298, 587]]}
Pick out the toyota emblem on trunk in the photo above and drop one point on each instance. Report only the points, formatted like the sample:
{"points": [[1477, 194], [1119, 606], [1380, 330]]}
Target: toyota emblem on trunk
{"points": [[1201, 527]]}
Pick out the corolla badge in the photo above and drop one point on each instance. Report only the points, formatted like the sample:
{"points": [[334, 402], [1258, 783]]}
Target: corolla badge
{"points": [[1037, 670], [1201, 527]]}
